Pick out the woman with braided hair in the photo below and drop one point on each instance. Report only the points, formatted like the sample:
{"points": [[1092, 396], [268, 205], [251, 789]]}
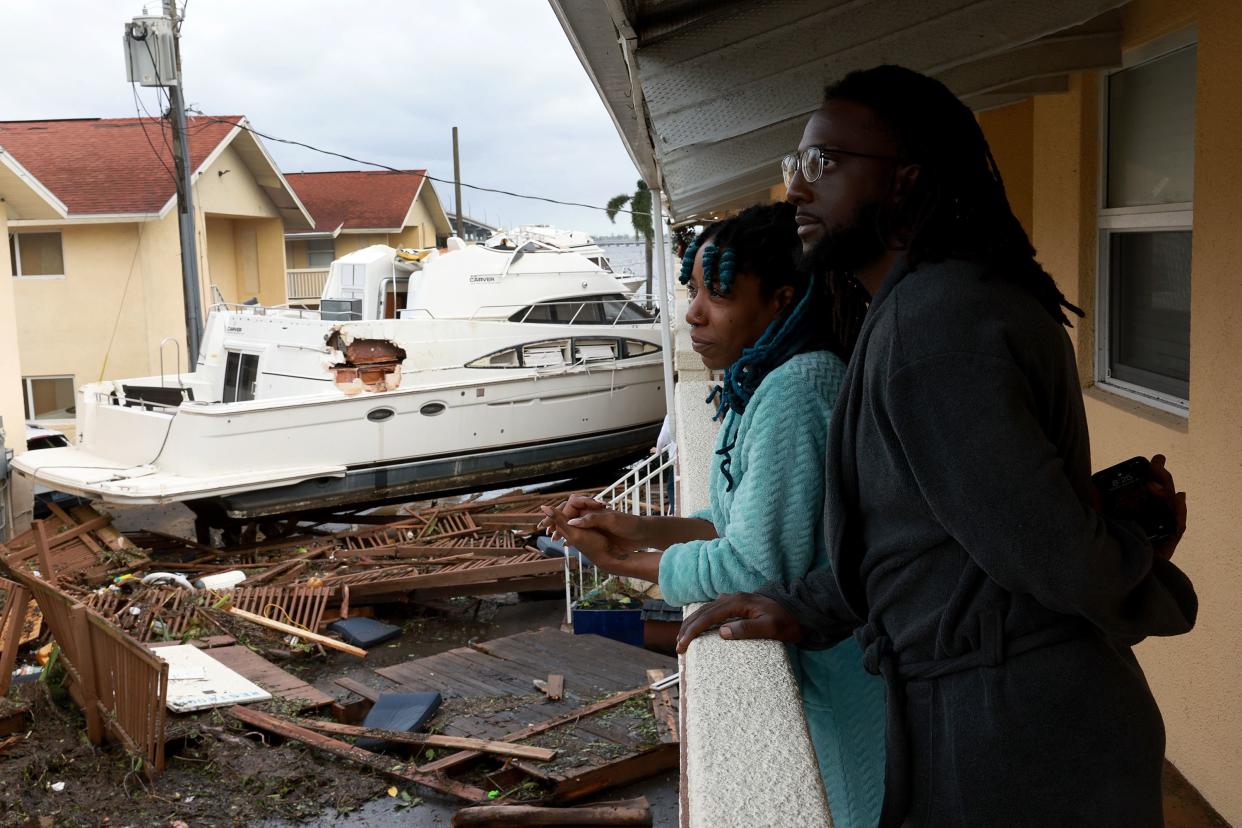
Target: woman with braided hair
{"points": [[758, 318]]}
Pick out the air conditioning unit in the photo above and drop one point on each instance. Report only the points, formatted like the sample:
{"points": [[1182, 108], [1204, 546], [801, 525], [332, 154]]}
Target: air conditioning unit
{"points": [[150, 52]]}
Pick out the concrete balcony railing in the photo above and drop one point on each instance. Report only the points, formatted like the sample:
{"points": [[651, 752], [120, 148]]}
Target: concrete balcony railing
{"points": [[305, 284], [741, 707]]}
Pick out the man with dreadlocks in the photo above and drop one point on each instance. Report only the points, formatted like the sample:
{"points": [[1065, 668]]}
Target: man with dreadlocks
{"points": [[755, 316], [966, 556]]}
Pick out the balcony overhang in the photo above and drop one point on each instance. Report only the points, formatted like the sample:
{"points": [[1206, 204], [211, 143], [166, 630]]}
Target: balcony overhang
{"points": [[708, 95]]}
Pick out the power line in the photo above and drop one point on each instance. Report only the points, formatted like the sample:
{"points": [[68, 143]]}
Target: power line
{"points": [[292, 142], [139, 108]]}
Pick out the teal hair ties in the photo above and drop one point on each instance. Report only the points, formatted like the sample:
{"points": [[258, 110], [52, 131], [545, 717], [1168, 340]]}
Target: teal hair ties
{"points": [[687, 260], [711, 258], [725, 277]]}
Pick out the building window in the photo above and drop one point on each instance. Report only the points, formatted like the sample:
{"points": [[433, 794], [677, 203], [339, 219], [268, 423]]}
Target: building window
{"points": [[1143, 339], [49, 398], [37, 255], [320, 252]]}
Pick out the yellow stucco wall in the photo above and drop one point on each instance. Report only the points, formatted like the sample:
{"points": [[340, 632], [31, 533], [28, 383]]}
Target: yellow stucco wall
{"points": [[12, 408], [122, 277], [233, 193], [295, 255], [347, 243], [1196, 677], [127, 277], [1009, 132]]}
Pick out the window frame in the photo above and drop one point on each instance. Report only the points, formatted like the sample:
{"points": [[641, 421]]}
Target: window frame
{"points": [[16, 236], [242, 355], [28, 399], [309, 242], [1150, 218]]}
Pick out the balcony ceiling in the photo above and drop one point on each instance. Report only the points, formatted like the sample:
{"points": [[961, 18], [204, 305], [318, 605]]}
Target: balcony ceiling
{"points": [[707, 95]]}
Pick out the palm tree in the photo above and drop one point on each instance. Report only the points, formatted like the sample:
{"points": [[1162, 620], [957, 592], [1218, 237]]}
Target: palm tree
{"points": [[640, 217]]}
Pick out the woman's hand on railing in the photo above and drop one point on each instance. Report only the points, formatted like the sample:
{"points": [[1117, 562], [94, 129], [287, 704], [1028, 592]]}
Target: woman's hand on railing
{"points": [[749, 615]]}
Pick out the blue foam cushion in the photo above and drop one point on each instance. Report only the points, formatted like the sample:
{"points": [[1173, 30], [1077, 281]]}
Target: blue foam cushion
{"points": [[364, 632], [401, 712]]}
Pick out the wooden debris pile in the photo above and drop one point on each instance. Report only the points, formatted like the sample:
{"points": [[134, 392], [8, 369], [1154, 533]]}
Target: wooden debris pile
{"points": [[510, 749], [111, 600], [79, 547]]}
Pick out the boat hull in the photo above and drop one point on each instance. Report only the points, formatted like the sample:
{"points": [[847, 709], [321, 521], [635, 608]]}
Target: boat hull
{"points": [[438, 476]]}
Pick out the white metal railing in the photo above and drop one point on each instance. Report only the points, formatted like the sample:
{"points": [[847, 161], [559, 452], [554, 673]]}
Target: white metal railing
{"points": [[612, 315], [647, 489], [302, 283], [264, 310]]}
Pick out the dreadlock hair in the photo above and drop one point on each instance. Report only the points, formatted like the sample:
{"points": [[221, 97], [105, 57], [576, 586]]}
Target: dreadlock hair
{"points": [[957, 207], [761, 241]]}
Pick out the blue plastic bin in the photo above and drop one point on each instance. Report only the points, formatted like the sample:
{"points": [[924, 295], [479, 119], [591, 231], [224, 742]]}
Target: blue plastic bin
{"points": [[624, 625]]}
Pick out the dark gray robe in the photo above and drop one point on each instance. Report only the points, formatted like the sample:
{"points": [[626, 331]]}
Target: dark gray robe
{"points": [[999, 607]]}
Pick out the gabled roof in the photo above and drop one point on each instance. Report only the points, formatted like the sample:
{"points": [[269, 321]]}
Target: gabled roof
{"points": [[124, 166], [358, 199]]}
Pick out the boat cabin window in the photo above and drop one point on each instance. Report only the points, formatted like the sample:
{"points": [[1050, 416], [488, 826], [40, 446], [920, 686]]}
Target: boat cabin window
{"points": [[507, 358], [606, 309], [617, 309], [547, 354], [637, 347], [241, 375], [595, 350]]}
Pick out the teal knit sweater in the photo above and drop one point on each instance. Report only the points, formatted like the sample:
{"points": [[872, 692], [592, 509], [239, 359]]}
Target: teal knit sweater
{"points": [[770, 528]]}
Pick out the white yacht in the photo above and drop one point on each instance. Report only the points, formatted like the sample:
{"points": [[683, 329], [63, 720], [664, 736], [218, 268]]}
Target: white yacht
{"points": [[422, 372]]}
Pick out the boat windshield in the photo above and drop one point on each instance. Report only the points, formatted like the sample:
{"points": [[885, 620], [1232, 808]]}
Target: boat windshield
{"points": [[608, 309]]}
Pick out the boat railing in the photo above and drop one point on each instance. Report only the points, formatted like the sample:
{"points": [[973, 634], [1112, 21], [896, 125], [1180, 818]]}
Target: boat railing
{"points": [[647, 489], [644, 304], [287, 311]]}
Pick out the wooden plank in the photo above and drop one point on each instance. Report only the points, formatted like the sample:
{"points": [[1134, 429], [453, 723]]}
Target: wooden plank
{"points": [[385, 765], [457, 577], [298, 632], [662, 710], [530, 583], [267, 675], [455, 759], [616, 774], [434, 740], [539, 661], [44, 551], [492, 672], [625, 813], [555, 687], [358, 688], [16, 604], [420, 678]]}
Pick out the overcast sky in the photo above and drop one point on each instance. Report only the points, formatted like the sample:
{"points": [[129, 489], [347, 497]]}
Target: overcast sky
{"points": [[381, 80]]}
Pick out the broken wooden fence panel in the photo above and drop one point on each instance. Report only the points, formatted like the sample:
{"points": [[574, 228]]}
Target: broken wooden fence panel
{"points": [[14, 603], [121, 686]]}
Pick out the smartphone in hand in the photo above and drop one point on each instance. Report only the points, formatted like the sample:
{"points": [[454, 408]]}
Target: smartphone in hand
{"points": [[1124, 495]]}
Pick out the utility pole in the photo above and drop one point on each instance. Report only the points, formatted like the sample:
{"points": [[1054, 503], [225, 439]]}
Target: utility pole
{"points": [[185, 200], [461, 231]]}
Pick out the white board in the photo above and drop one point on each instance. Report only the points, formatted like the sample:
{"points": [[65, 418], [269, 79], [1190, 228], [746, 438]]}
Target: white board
{"points": [[196, 681]]}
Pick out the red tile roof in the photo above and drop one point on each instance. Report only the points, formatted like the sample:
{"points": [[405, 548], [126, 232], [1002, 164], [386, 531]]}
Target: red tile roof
{"points": [[357, 199], [109, 165]]}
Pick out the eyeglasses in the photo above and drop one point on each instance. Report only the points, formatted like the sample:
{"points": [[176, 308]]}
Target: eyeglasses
{"points": [[811, 162]]}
